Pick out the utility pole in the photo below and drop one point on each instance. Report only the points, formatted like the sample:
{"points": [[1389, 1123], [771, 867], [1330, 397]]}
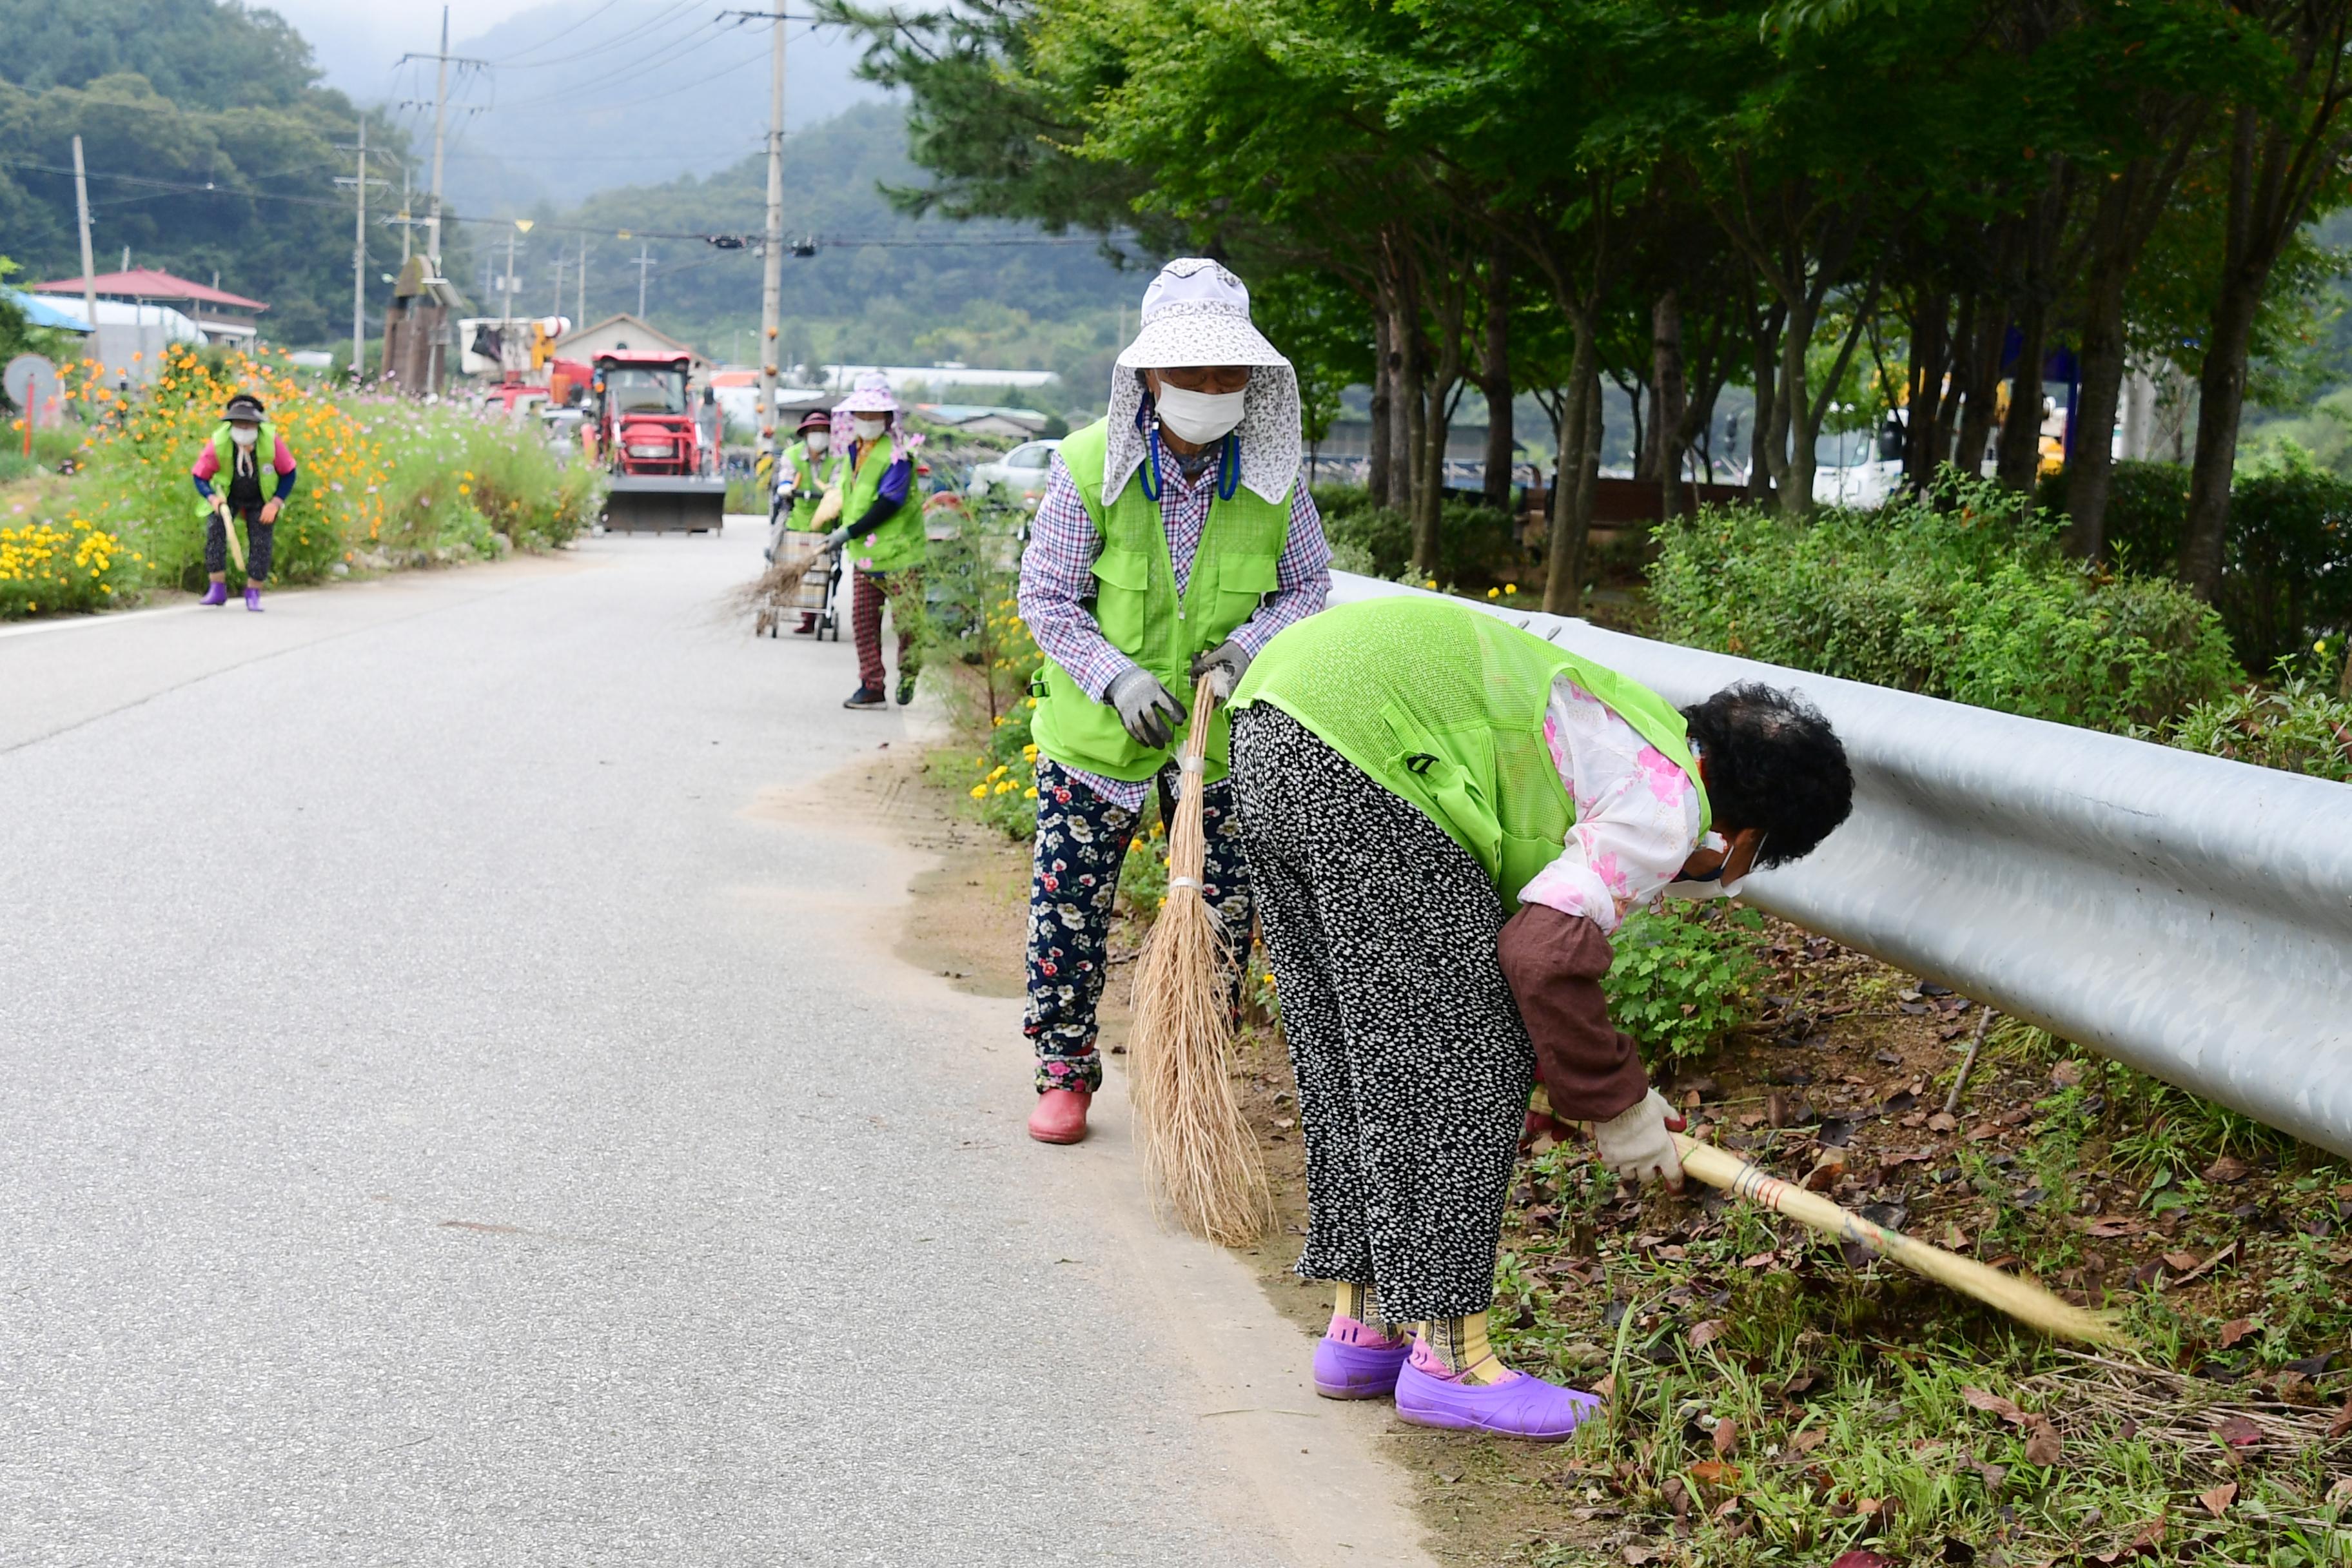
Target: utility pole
{"points": [[772, 278], [89, 265], [506, 301], [442, 60], [440, 116], [405, 222], [644, 265], [359, 261], [557, 308], [583, 280]]}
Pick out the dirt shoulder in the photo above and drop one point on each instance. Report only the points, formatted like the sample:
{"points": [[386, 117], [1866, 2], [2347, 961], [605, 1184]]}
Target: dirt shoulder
{"points": [[1778, 1399]]}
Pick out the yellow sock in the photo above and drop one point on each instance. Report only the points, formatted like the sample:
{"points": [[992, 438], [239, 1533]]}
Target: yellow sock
{"points": [[1354, 1302], [1459, 1345]]}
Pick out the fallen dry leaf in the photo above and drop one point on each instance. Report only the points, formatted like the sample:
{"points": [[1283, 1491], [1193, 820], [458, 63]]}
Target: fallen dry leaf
{"points": [[1992, 1405], [1993, 1475], [1713, 1473], [2066, 1074], [1813, 1437], [1860, 1558], [2237, 1432], [2041, 1442], [2340, 1494], [2109, 1229], [1705, 1334], [1637, 1554], [2227, 1169], [2181, 1262], [1727, 1439], [2237, 1328], [1756, 1260], [2217, 1501], [1940, 1123], [2342, 1425], [1605, 1387]]}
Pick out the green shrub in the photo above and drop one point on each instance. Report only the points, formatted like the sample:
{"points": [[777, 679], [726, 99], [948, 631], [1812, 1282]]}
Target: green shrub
{"points": [[2287, 568], [2298, 726], [1684, 976], [1965, 596], [1477, 545]]}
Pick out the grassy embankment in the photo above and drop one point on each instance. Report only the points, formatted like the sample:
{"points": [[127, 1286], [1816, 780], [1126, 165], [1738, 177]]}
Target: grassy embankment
{"points": [[106, 515]]}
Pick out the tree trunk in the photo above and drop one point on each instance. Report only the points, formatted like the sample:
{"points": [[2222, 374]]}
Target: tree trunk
{"points": [[2091, 466], [2021, 431], [1980, 393], [1954, 390], [1406, 346], [1383, 450], [1763, 359], [1923, 395], [1670, 407], [2221, 396], [1495, 379], [1792, 418], [1572, 513]]}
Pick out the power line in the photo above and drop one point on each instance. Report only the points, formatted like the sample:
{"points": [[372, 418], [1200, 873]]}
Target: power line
{"points": [[514, 62], [616, 40], [709, 32]]}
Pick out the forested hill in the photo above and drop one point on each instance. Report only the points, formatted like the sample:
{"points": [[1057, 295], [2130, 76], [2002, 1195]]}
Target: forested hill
{"points": [[881, 286], [210, 149]]}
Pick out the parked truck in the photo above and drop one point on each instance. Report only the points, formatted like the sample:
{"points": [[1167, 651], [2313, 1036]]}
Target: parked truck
{"points": [[646, 427]]}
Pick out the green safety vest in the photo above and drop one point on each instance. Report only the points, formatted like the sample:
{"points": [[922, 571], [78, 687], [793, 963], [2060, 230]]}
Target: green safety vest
{"points": [[899, 543], [1136, 606], [1442, 705], [813, 480], [265, 453]]}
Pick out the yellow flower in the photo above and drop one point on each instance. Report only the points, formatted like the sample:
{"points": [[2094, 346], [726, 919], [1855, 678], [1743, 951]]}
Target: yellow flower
{"points": [[1510, 587], [980, 792], [1494, 593], [1431, 582], [1029, 793]]}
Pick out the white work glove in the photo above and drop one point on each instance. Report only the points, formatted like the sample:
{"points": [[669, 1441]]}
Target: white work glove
{"points": [[1637, 1145], [1147, 709], [1226, 662]]}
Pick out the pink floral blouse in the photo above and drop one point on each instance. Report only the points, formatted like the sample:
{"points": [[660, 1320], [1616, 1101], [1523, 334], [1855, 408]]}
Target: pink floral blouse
{"points": [[1637, 816]]}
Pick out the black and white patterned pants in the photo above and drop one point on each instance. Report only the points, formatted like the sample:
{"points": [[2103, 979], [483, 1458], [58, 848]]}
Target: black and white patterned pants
{"points": [[1413, 1067], [259, 537]]}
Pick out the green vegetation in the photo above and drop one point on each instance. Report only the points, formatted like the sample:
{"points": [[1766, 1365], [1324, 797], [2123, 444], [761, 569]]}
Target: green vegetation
{"points": [[208, 146], [1683, 977], [1967, 596]]}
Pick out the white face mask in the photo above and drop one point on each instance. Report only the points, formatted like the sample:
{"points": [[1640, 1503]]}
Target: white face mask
{"points": [[818, 442], [1198, 416], [1695, 888], [244, 434], [869, 429]]}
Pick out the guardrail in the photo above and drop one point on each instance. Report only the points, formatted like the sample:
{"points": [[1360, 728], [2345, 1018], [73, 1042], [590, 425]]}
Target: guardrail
{"points": [[2187, 915]]}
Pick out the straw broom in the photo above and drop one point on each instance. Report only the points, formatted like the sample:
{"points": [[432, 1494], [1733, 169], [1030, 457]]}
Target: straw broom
{"points": [[2024, 1300], [1199, 1153], [772, 590]]}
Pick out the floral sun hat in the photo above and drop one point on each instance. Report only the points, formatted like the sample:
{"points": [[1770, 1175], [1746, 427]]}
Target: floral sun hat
{"points": [[870, 394], [1197, 313]]}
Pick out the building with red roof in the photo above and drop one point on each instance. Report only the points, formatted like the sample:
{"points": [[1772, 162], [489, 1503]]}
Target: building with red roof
{"points": [[222, 317]]}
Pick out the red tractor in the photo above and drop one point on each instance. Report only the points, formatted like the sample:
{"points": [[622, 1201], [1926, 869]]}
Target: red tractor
{"points": [[648, 430]]}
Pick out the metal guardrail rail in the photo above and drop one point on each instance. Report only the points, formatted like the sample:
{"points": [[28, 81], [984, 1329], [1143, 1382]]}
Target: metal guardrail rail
{"points": [[2190, 916]]}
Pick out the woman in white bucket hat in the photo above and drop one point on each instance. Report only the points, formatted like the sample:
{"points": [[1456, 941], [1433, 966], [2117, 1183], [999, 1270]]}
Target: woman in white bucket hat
{"points": [[883, 537], [1174, 539]]}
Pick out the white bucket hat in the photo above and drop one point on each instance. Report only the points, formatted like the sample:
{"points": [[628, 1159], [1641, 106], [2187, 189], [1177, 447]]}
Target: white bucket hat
{"points": [[1197, 313]]}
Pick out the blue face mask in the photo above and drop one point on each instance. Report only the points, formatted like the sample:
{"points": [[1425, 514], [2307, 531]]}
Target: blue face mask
{"points": [[1709, 884]]}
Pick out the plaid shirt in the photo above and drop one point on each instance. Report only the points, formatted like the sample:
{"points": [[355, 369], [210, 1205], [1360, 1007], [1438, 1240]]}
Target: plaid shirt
{"points": [[1057, 577]]}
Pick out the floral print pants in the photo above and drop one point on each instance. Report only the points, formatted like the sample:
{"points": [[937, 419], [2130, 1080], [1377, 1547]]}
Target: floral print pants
{"points": [[1082, 842], [1413, 1065]]}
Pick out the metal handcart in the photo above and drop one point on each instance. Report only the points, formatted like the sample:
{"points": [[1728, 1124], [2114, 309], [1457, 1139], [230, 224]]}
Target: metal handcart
{"points": [[819, 596]]}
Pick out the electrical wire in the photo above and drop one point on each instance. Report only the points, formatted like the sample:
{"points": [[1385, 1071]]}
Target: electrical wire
{"points": [[617, 40], [709, 32], [515, 62]]}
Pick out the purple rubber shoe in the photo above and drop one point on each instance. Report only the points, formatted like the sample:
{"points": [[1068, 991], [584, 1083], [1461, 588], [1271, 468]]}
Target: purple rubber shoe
{"points": [[215, 594], [252, 598], [1346, 1371], [1520, 1406]]}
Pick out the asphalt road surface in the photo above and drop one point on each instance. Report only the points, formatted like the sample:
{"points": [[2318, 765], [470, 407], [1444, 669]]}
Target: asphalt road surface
{"points": [[458, 1104]]}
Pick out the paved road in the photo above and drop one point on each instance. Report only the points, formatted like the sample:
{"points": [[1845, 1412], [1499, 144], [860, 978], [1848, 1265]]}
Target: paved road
{"points": [[459, 1109]]}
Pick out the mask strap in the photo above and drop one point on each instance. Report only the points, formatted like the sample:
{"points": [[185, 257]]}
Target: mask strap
{"points": [[1229, 467], [1149, 472]]}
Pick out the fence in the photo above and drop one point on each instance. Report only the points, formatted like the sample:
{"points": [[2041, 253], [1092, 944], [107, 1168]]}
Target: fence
{"points": [[2187, 915]]}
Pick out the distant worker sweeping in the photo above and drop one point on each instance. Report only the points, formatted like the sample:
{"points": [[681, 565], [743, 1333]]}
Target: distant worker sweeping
{"points": [[1446, 817], [810, 467], [884, 537], [1174, 539], [243, 444]]}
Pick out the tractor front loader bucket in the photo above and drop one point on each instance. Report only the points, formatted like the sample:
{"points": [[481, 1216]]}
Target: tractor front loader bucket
{"points": [[664, 503]]}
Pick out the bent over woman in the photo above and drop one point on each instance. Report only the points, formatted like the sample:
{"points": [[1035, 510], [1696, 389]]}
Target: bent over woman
{"points": [[1445, 818]]}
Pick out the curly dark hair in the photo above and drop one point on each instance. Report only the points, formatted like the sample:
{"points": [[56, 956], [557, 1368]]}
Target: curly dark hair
{"points": [[1772, 762]]}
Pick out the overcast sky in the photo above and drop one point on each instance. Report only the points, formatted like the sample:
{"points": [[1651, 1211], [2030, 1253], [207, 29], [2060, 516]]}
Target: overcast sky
{"points": [[356, 45]]}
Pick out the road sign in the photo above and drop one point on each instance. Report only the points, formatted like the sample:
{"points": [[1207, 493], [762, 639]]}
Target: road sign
{"points": [[32, 383]]}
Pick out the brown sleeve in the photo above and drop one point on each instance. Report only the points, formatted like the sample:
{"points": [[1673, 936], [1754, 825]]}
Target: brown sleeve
{"points": [[1590, 1068]]}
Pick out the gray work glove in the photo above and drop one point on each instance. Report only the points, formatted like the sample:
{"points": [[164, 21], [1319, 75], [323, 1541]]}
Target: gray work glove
{"points": [[1637, 1144], [1226, 662], [1147, 709], [837, 538]]}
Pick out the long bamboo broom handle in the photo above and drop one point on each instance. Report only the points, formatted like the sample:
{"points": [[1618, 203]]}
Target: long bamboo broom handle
{"points": [[228, 527], [2024, 1300]]}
